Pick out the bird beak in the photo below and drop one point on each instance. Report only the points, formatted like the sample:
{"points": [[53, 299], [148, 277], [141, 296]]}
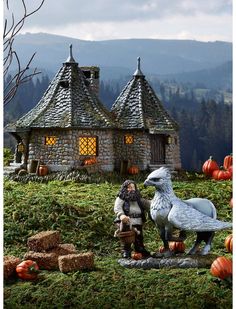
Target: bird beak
{"points": [[146, 183]]}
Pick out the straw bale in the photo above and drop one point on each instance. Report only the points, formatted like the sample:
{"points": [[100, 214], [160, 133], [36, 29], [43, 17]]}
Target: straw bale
{"points": [[63, 249], [10, 263], [44, 260], [73, 262], [43, 241]]}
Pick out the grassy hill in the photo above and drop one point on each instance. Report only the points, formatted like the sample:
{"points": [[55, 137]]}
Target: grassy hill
{"points": [[83, 213]]}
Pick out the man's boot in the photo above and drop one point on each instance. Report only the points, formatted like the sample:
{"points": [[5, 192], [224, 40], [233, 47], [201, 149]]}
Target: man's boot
{"points": [[126, 252]]}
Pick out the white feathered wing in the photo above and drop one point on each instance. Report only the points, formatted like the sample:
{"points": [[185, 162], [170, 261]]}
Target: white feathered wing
{"points": [[186, 218]]}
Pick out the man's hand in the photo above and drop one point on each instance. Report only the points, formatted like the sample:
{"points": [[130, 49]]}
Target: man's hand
{"points": [[125, 219]]}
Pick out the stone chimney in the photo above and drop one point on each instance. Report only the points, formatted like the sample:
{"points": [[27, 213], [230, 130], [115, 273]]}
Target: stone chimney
{"points": [[92, 76]]}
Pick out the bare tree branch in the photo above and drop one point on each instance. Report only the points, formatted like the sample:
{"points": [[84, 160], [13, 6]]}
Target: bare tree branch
{"points": [[10, 55]]}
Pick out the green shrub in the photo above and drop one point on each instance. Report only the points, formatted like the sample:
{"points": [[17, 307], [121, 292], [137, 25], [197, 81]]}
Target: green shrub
{"points": [[7, 156]]}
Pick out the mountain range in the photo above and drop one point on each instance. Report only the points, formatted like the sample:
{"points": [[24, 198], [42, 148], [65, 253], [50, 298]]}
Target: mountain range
{"points": [[183, 60]]}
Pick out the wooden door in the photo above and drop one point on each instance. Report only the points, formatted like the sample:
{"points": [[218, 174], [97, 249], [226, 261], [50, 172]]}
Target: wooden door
{"points": [[157, 148]]}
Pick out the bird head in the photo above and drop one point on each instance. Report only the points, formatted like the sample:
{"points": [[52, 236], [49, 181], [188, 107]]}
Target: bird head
{"points": [[159, 178]]}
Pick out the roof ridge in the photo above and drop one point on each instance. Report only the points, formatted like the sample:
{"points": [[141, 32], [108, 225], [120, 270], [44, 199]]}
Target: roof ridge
{"points": [[141, 99]]}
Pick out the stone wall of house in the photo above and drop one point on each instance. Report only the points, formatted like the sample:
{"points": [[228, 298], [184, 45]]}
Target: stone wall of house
{"points": [[65, 153], [136, 153], [173, 152]]}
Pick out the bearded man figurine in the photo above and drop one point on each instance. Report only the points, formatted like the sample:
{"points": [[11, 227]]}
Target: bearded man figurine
{"points": [[130, 210]]}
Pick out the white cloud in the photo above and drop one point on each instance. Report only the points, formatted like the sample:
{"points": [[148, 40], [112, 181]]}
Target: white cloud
{"points": [[203, 28], [112, 19]]}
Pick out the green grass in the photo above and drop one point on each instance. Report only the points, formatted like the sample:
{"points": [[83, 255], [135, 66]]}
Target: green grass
{"points": [[83, 213]]}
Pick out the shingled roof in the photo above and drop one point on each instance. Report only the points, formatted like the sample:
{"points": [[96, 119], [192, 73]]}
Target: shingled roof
{"points": [[67, 103], [138, 107]]}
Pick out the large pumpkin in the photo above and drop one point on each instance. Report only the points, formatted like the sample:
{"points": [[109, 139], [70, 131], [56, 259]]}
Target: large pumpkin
{"points": [[230, 169], [221, 267], [210, 166], [177, 246], [228, 161], [27, 270], [229, 243], [132, 170], [221, 174]]}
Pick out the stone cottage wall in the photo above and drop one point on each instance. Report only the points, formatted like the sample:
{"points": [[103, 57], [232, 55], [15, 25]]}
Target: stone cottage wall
{"points": [[65, 153], [136, 153], [173, 152]]}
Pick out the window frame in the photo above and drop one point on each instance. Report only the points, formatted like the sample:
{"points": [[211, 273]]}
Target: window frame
{"points": [[49, 137], [89, 136], [126, 136]]}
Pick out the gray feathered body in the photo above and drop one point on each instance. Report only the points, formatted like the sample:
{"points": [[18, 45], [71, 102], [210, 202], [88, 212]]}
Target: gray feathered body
{"points": [[169, 212]]}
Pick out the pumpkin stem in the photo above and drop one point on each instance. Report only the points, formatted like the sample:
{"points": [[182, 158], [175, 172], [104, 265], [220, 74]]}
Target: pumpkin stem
{"points": [[32, 269]]}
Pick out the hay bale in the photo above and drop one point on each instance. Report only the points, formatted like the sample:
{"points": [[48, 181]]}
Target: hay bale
{"points": [[43, 241], [63, 249], [44, 260], [73, 262], [10, 263]]}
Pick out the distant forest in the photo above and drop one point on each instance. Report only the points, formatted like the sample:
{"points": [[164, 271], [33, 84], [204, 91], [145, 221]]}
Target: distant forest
{"points": [[205, 124]]}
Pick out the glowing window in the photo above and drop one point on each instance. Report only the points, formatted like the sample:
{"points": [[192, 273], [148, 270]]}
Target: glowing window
{"points": [[128, 139], [50, 140], [88, 146]]}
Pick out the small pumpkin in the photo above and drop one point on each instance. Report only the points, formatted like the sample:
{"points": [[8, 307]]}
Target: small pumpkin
{"points": [[228, 161], [27, 270], [90, 161], [229, 243], [231, 202], [133, 170], [177, 246], [221, 267], [210, 166], [221, 174], [136, 256]]}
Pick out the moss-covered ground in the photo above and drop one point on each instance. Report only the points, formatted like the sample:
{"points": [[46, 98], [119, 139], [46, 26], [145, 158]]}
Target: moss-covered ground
{"points": [[83, 213]]}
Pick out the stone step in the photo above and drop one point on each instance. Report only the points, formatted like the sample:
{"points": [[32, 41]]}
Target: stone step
{"points": [[10, 169], [15, 165]]}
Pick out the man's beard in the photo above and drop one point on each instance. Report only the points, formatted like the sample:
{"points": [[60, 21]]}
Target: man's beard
{"points": [[131, 196]]}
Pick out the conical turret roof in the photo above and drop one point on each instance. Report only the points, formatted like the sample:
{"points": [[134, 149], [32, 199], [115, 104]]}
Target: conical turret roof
{"points": [[67, 103], [138, 107]]}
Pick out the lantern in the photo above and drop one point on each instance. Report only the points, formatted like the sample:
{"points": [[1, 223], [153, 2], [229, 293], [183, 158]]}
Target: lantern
{"points": [[20, 147]]}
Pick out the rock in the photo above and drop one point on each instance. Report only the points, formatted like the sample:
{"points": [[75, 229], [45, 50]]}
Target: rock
{"points": [[194, 261]]}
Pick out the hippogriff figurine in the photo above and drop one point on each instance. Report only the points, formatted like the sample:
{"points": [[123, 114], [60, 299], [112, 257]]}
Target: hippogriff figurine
{"points": [[169, 212]]}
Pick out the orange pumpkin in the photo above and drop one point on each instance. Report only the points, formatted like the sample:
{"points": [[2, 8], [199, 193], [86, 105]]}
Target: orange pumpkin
{"points": [[27, 270], [133, 170], [177, 246], [221, 267], [136, 256], [90, 161], [230, 169], [228, 161], [221, 174], [209, 166], [229, 243]]}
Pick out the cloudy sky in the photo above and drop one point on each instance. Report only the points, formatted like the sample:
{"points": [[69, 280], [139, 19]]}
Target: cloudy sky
{"points": [[203, 20]]}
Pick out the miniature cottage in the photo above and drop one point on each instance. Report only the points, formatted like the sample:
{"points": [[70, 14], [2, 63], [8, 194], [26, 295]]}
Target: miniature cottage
{"points": [[70, 125]]}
